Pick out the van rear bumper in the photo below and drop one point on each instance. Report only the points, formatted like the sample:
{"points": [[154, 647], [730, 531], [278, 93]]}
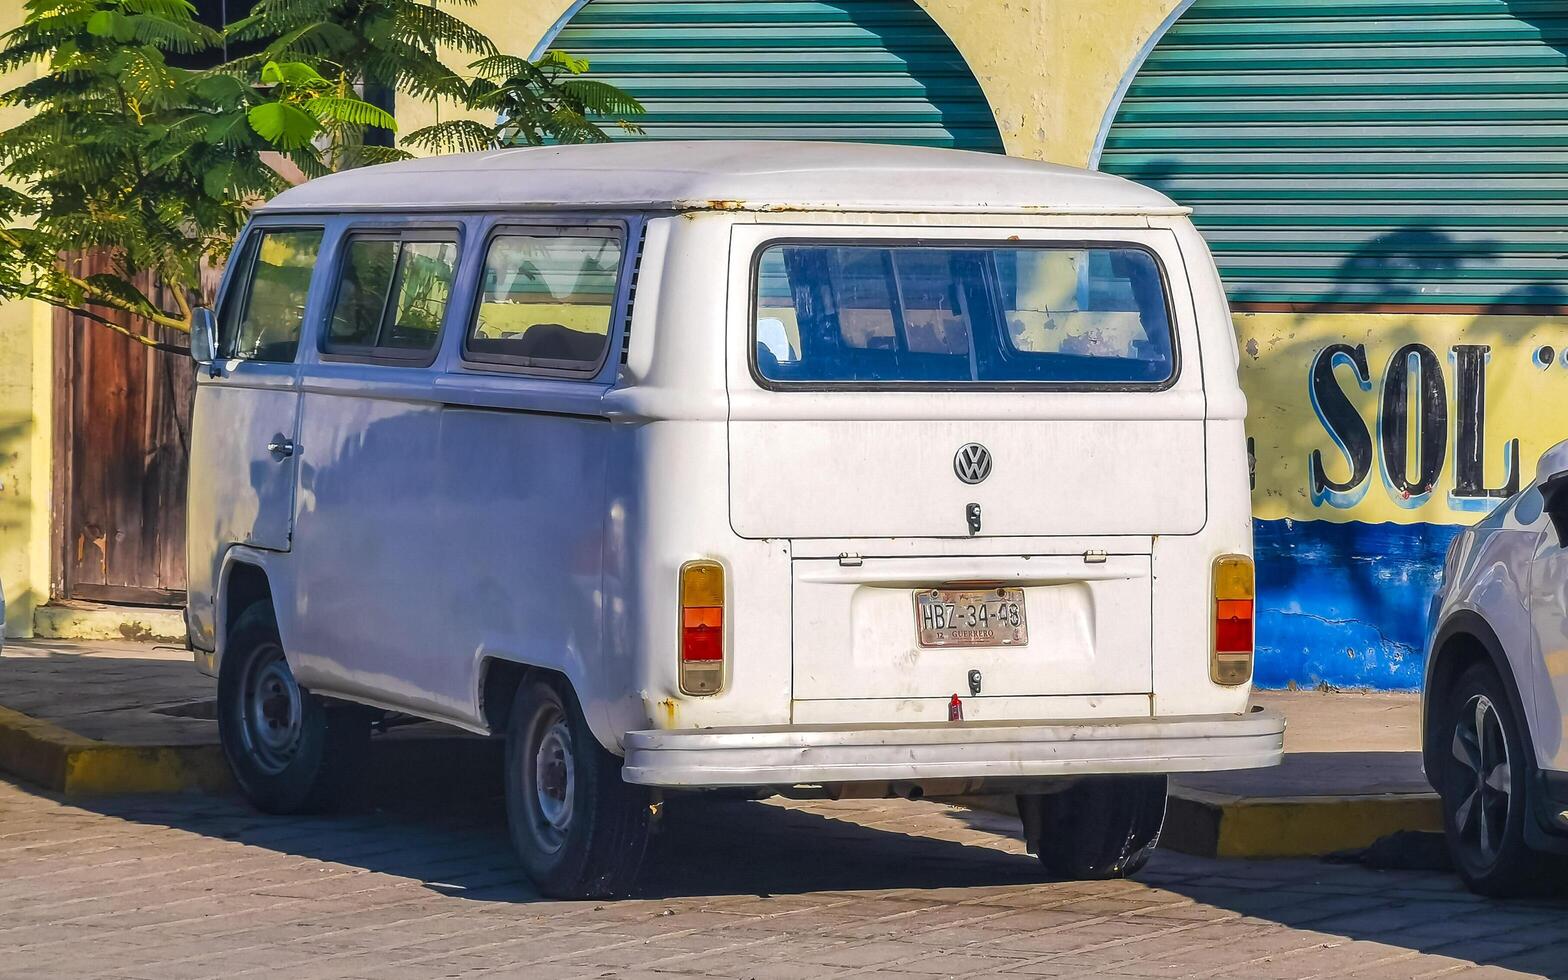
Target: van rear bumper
{"points": [[790, 755]]}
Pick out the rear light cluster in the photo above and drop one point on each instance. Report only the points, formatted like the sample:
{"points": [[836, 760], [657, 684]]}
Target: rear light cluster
{"points": [[1230, 659], [702, 627]]}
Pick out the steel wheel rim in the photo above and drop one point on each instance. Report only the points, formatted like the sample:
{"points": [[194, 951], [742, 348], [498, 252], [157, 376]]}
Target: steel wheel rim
{"points": [[272, 711], [1483, 780], [550, 779]]}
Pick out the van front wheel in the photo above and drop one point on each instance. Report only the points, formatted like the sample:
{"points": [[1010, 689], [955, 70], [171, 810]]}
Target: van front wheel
{"points": [[579, 830], [1099, 827], [289, 751]]}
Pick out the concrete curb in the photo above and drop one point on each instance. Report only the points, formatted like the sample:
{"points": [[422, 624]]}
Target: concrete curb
{"points": [[93, 621], [65, 762], [1214, 825]]}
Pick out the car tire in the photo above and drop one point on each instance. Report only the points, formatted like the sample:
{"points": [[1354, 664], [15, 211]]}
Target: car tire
{"points": [[289, 751], [1099, 827], [1485, 769], [580, 831]]}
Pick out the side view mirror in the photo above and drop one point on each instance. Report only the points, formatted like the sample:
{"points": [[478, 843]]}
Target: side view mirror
{"points": [[204, 335]]}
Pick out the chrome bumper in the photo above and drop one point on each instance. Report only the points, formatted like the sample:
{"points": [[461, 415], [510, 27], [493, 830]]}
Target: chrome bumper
{"points": [[828, 754]]}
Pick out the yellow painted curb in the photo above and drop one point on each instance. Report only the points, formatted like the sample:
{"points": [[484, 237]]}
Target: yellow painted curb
{"points": [[1211, 825], [65, 762], [1214, 825]]}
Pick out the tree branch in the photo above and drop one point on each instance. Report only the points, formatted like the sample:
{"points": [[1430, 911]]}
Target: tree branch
{"points": [[142, 339]]}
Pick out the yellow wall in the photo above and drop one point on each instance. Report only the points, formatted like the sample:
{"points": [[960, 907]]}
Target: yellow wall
{"points": [[1524, 368], [1049, 68], [25, 344]]}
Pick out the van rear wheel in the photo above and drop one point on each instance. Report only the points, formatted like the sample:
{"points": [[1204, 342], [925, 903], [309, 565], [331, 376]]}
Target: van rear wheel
{"points": [[1099, 827], [289, 751], [579, 830]]}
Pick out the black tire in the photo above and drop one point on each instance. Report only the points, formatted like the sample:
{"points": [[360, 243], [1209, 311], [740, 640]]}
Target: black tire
{"points": [[289, 751], [579, 830], [1100, 827], [1484, 771]]}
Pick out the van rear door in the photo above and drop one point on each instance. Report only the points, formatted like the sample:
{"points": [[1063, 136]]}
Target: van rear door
{"points": [[874, 357], [992, 384]]}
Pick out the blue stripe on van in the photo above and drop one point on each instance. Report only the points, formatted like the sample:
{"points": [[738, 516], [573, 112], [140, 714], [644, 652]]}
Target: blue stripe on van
{"points": [[1345, 604]]}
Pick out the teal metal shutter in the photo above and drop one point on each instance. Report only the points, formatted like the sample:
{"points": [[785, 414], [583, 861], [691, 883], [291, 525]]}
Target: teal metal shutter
{"points": [[1402, 153], [874, 71]]}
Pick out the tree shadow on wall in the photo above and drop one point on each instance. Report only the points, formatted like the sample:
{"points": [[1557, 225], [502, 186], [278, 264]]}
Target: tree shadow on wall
{"points": [[945, 79], [1550, 18]]}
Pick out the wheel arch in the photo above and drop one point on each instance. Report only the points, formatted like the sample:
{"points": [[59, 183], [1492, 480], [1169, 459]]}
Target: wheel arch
{"points": [[499, 680], [1466, 638], [243, 580]]}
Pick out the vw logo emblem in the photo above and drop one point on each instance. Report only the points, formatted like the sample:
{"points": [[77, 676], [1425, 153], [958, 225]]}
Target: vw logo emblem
{"points": [[972, 462]]}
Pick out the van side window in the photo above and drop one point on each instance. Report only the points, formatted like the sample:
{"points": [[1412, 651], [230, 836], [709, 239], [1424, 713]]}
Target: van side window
{"points": [[262, 321], [547, 300], [391, 295]]}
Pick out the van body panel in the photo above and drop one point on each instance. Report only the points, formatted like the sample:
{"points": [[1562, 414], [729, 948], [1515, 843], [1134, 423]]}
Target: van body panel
{"points": [[863, 482], [241, 492], [369, 495], [895, 479]]}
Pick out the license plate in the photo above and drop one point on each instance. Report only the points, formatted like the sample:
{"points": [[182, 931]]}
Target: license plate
{"points": [[971, 618]]}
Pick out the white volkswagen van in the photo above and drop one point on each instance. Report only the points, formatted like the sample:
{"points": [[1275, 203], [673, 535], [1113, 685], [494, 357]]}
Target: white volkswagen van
{"points": [[766, 466]]}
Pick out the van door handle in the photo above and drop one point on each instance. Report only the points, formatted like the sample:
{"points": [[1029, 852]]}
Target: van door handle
{"points": [[280, 448]]}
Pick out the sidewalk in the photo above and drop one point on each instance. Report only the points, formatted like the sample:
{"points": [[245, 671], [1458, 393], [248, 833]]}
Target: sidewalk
{"points": [[83, 717], [113, 716]]}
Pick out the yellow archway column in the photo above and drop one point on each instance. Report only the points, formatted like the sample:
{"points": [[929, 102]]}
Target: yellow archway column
{"points": [[1049, 68]]}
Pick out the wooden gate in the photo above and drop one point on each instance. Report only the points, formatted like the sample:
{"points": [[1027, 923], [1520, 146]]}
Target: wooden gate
{"points": [[122, 438]]}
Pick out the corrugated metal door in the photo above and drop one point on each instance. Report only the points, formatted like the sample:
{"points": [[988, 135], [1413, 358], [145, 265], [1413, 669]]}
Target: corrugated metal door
{"points": [[876, 71], [1383, 152]]}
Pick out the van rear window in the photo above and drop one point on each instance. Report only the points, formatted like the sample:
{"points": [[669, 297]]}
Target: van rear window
{"points": [[917, 314]]}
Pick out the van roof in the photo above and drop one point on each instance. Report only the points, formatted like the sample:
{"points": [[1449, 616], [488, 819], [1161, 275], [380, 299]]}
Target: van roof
{"points": [[726, 175]]}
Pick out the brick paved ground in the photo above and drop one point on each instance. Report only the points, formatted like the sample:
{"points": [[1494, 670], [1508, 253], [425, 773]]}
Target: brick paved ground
{"points": [[175, 887]]}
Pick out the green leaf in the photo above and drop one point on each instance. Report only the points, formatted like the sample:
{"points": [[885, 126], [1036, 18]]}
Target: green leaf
{"points": [[283, 125], [602, 97], [221, 88], [352, 111], [560, 59], [216, 181], [295, 73], [454, 136], [109, 23]]}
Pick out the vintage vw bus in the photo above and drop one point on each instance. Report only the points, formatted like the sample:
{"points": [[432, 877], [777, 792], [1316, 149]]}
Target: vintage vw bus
{"points": [[867, 469]]}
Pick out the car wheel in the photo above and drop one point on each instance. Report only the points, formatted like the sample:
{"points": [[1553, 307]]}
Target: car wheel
{"points": [[288, 750], [579, 830], [1099, 827], [1485, 769]]}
